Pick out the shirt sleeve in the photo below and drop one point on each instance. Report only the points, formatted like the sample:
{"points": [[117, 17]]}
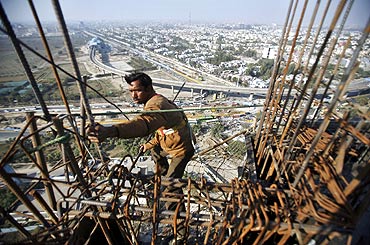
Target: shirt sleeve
{"points": [[151, 120], [140, 126]]}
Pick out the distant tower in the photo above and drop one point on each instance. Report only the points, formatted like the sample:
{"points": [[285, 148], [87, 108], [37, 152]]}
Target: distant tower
{"points": [[81, 25], [189, 18]]}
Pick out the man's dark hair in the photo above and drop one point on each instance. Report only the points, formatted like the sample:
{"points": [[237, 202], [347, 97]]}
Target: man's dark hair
{"points": [[144, 79]]}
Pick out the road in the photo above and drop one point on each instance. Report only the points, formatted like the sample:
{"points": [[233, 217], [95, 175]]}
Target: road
{"points": [[184, 73], [179, 70]]}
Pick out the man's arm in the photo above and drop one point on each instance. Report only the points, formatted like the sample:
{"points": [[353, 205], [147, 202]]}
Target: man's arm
{"points": [[99, 133], [140, 126], [150, 144]]}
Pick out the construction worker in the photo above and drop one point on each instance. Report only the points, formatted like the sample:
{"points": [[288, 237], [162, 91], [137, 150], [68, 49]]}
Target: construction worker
{"points": [[173, 136]]}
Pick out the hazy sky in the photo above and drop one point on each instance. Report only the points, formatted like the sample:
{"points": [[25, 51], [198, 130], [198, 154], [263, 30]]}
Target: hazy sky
{"points": [[224, 11]]}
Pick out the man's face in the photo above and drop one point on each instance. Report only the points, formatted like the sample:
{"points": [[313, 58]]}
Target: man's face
{"points": [[139, 94]]}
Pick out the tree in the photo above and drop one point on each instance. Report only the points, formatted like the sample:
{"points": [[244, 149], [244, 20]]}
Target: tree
{"points": [[250, 53], [362, 73], [219, 57], [266, 68], [237, 148], [7, 197], [196, 128], [217, 129]]}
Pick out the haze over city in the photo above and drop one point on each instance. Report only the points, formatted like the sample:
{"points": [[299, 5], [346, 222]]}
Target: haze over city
{"points": [[234, 11]]}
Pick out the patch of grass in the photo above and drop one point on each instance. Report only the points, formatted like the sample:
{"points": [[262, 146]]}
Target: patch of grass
{"points": [[7, 197]]}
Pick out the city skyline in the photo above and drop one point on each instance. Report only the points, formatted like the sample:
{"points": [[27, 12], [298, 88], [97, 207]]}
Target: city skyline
{"points": [[206, 11]]}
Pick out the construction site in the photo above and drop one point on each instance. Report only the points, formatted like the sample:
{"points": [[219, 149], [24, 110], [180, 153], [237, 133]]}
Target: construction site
{"points": [[301, 177]]}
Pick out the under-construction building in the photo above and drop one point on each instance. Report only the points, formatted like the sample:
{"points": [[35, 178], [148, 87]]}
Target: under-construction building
{"points": [[304, 178]]}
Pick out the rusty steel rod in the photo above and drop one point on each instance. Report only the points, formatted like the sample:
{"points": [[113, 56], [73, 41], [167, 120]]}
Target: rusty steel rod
{"points": [[24, 62]]}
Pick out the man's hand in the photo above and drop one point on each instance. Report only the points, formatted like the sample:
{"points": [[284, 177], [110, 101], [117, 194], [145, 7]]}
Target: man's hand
{"points": [[145, 147], [99, 133], [142, 148]]}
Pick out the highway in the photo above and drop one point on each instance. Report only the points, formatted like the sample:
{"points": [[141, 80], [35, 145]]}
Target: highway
{"points": [[175, 68], [211, 83], [109, 69]]}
